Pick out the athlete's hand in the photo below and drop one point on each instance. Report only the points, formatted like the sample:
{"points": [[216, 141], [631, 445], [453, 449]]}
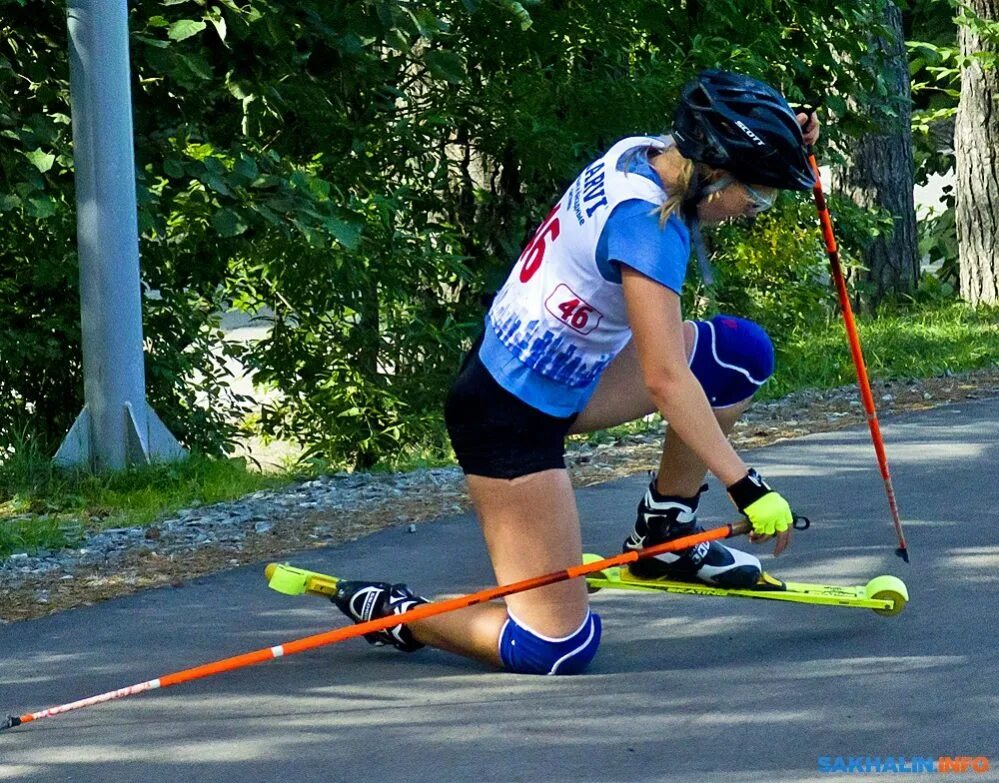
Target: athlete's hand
{"points": [[809, 127], [768, 512]]}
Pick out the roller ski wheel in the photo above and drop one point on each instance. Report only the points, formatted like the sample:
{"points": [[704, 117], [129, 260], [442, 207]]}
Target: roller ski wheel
{"points": [[891, 589], [290, 580], [884, 595]]}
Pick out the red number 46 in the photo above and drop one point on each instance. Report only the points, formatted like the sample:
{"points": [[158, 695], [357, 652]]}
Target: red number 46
{"points": [[576, 312], [534, 253]]}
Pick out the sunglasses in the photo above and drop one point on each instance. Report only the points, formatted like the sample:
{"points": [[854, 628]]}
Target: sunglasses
{"points": [[760, 202]]}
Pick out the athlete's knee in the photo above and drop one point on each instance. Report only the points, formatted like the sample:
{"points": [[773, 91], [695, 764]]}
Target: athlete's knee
{"points": [[732, 358], [524, 651]]}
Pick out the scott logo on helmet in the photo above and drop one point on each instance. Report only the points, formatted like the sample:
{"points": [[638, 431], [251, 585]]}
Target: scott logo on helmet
{"points": [[748, 132]]}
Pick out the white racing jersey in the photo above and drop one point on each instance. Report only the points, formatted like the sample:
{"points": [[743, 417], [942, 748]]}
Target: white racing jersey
{"points": [[560, 318]]}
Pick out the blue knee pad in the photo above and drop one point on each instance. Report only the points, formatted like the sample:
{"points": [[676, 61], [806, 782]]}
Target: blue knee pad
{"points": [[732, 358], [525, 652]]}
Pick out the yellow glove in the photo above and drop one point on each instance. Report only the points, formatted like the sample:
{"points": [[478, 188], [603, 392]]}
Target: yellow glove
{"points": [[765, 509]]}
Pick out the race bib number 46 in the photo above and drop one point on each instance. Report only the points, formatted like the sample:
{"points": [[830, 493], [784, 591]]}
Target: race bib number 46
{"points": [[574, 311]]}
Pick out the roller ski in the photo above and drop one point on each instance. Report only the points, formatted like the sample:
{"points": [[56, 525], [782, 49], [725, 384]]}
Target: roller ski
{"points": [[360, 601], [720, 570], [884, 595]]}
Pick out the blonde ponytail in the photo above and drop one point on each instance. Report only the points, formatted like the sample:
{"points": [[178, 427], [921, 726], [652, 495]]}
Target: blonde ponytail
{"points": [[677, 190], [679, 175]]}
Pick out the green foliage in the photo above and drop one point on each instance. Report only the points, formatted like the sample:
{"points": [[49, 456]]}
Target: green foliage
{"points": [[492, 114], [934, 290], [936, 65], [902, 341], [41, 385], [38, 333], [938, 240], [42, 507], [772, 270], [775, 270], [363, 173]]}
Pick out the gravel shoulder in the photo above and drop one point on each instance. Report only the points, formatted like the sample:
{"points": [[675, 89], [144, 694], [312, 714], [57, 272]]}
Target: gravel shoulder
{"points": [[343, 507]]}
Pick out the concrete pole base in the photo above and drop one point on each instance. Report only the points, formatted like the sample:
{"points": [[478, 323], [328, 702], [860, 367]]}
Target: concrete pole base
{"points": [[142, 445]]}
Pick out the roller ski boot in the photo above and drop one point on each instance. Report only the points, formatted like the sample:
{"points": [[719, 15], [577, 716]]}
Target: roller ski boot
{"points": [[663, 518], [360, 601], [363, 601]]}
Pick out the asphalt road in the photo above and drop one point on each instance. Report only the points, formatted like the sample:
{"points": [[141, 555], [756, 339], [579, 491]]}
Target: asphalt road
{"points": [[685, 689]]}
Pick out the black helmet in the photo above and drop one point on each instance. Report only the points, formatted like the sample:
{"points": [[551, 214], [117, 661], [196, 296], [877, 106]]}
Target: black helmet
{"points": [[733, 122]]}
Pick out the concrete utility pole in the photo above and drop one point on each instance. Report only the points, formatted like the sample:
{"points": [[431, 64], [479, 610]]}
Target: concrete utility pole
{"points": [[117, 427]]}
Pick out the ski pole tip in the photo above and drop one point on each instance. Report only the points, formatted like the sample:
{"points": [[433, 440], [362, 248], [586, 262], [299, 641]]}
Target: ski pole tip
{"points": [[903, 552]]}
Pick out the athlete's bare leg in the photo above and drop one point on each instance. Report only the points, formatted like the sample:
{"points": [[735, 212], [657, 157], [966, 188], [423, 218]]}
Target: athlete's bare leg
{"points": [[531, 527]]}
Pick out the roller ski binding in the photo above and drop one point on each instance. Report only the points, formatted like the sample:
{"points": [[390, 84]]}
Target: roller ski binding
{"points": [[663, 518]]}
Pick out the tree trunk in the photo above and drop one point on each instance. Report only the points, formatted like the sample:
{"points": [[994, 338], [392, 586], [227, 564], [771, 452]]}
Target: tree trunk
{"points": [[880, 172], [976, 144]]}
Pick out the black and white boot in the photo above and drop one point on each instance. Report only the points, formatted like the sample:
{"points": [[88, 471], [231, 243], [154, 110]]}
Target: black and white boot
{"points": [[663, 518], [363, 601]]}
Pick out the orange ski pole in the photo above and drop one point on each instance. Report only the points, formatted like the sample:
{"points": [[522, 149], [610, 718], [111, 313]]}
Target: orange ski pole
{"points": [[418, 613], [858, 356]]}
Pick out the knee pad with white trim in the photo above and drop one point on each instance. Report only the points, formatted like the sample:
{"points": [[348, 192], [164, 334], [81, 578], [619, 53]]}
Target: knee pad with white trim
{"points": [[732, 358], [524, 651]]}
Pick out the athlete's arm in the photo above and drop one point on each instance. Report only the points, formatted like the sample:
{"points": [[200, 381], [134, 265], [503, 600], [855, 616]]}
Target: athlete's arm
{"points": [[657, 331], [657, 328]]}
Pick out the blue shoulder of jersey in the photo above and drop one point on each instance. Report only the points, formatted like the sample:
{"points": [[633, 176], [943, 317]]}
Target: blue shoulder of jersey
{"points": [[633, 236]]}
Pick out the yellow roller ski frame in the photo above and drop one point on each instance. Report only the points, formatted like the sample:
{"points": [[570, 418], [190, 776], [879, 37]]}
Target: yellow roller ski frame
{"points": [[885, 595]]}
